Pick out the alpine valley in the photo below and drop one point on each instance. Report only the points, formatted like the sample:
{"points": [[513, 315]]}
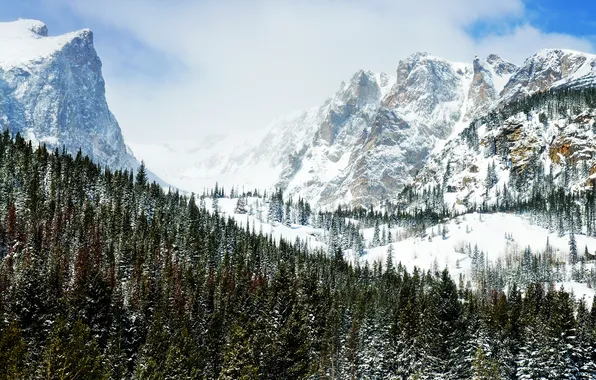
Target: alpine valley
{"points": [[438, 222]]}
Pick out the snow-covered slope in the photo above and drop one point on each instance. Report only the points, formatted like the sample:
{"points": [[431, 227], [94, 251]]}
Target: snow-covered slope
{"points": [[52, 92], [550, 68], [500, 238], [550, 138]]}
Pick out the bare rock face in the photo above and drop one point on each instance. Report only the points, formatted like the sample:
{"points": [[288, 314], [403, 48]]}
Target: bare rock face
{"points": [[515, 149], [52, 92], [429, 89], [356, 98], [489, 79], [482, 93], [500, 66], [511, 144]]}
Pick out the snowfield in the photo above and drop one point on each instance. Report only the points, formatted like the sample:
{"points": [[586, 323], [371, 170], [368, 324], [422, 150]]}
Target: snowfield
{"points": [[498, 236], [25, 41]]}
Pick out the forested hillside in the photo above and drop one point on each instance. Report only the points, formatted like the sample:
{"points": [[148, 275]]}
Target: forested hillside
{"points": [[104, 275]]}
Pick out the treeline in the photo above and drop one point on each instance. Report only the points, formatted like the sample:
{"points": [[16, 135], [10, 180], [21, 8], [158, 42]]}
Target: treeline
{"points": [[105, 276]]}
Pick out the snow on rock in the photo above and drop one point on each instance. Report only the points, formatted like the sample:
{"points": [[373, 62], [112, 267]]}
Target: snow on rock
{"points": [[523, 143], [52, 91], [549, 68], [362, 145], [377, 132]]}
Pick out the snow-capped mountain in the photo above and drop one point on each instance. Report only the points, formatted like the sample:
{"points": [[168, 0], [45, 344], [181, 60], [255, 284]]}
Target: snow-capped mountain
{"points": [[372, 136], [550, 68], [52, 92], [376, 134], [380, 132]]}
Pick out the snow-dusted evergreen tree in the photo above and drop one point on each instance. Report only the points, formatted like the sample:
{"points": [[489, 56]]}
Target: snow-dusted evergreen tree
{"points": [[491, 176], [376, 240], [573, 254], [287, 215], [241, 206], [276, 207]]}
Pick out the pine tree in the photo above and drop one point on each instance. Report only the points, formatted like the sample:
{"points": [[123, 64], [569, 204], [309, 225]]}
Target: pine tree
{"points": [[240, 206], [376, 241], [13, 352], [287, 215], [485, 368], [390, 268], [141, 178], [71, 353], [240, 361], [573, 256], [215, 202], [491, 177]]}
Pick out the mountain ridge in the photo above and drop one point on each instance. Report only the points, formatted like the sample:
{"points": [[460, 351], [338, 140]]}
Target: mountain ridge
{"points": [[361, 147]]}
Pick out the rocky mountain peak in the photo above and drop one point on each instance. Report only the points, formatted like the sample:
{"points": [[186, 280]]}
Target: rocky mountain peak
{"points": [[355, 99], [52, 91], [379, 132], [423, 82], [547, 69], [362, 89], [34, 26], [500, 66], [482, 92], [492, 58]]}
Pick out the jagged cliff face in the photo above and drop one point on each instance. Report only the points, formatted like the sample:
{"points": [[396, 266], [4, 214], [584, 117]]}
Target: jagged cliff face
{"points": [[488, 81], [430, 90], [548, 69], [548, 135], [379, 131], [418, 124], [52, 92], [364, 143], [519, 147], [376, 132]]}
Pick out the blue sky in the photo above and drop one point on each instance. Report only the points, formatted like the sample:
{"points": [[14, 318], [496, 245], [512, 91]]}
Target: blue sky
{"points": [[572, 17], [210, 66], [575, 17], [62, 18]]}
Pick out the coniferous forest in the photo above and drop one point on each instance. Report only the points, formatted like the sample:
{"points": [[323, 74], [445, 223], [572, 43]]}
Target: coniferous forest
{"points": [[104, 275]]}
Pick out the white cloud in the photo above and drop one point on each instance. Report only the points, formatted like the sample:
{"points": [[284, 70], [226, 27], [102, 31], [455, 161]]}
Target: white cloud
{"points": [[244, 63], [524, 40]]}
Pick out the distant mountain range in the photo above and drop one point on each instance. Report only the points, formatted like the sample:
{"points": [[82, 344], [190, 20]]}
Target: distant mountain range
{"points": [[380, 132], [377, 134]]}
